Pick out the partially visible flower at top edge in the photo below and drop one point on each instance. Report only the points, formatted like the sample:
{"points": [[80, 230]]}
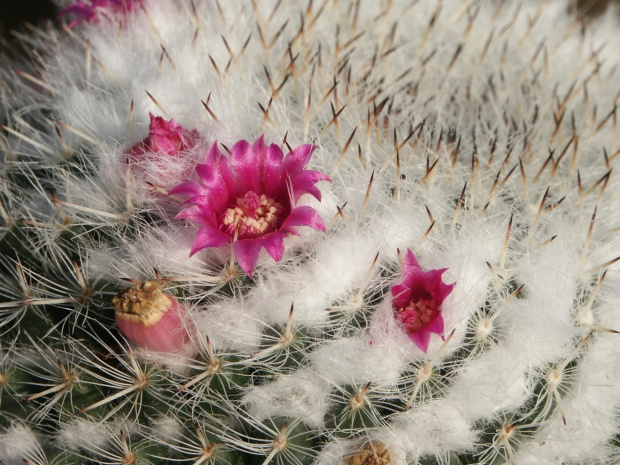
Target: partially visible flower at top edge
{"points": [[250, 199], [93, 10], [165, 138], [417, 301]]}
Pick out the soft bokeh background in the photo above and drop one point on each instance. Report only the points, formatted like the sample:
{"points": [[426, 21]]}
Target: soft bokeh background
{"points": [[13, 13]]}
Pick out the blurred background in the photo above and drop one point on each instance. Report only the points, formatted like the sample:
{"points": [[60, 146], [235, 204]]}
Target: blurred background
{"points": [[14, 14]]}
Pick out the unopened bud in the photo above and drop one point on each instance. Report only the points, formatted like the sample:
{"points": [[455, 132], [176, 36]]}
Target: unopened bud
{"points": [[150, 318]]}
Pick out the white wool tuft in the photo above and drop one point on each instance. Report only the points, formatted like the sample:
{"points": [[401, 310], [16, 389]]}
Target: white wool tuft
{"points": [[437, 427], [18, 444], [302, 396]]}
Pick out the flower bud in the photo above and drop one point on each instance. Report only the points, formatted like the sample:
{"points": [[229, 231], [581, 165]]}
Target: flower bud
{"points": [[165, 138], [150, 318]]}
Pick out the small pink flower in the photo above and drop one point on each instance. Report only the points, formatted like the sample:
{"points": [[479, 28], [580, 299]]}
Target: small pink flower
{"points": [[93, 10], [250, 199], [417, 300], [165, 138], [150, 318]]}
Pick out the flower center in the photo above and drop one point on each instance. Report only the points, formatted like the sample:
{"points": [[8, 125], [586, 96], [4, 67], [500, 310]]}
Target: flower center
{"points": [[253, 216], [417, 315]]}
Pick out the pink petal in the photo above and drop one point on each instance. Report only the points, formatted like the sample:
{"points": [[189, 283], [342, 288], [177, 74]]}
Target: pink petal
{"points": [[169, 145], [274, 244], [401, 296], [444, 291], [201, 214], [302, 216], [135, 152], [436, 325], [303, 182], [246, 253], [215, 188], [80, 9], [208, 237], [298, 158], [271, 176], [244, 161], [435, 285], [186, 188], [216, 159], [161, 127], [75, 22], [410, 264], [421, 339]]}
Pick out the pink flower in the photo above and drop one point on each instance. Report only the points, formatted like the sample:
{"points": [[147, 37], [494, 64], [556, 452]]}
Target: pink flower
{"points": [[93, 10], [150, 318], [417, 300], [165, 138], [250, 199]]}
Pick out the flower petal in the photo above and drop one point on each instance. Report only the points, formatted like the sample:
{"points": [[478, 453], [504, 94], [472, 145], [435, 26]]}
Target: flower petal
{"points": [[401, 296], [208, 237], [297, 159], [303, 182], [246, 253], [222, 164], [271, 176], [244, 161], [410, 264], [273, 244], [201, 214], [421, 339], [436, 325], [436, 287], [302, 216], [187, 188], [215, 189]]}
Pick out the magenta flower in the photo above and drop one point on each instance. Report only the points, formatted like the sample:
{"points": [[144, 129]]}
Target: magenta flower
{"points": [[417, 300], [165, 138], [250, 199], [93, 10]]}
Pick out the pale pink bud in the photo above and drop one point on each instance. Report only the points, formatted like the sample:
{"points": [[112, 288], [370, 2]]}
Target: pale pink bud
{"points": [[150, 318]]}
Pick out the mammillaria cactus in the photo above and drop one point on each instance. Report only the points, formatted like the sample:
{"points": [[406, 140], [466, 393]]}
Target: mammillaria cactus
{"points": [[450, 297]]}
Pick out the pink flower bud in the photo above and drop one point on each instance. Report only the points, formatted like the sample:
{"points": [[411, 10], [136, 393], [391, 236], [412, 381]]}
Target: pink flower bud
{"points": [[150, 318], [166, 138]]}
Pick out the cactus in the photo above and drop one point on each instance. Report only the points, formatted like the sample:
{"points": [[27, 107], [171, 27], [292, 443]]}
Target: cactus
{"points": [[413, 263]]}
